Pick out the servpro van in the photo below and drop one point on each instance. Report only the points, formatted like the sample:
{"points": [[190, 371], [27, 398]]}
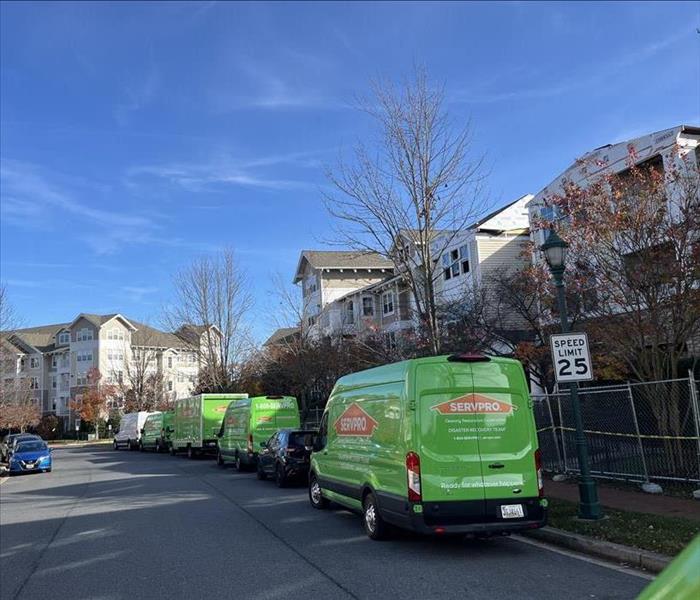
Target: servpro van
{"points": [[437, 445], [251, 422], [155, 435], [197, 421]]}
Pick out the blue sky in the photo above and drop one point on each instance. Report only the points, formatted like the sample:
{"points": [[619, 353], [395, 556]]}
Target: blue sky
{"points": [[135, 137]]}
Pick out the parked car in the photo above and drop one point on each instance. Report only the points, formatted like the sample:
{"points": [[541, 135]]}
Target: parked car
{"points": [[285, 456], [249, 423], [438, 445], [11, 440], [129, 434], [30, 456]]}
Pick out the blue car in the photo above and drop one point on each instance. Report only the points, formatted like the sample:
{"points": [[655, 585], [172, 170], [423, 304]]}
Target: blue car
{"points": [[30, 456]]}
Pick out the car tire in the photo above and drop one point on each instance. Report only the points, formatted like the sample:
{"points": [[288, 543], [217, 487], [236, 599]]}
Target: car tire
{"points": [[375, 527], [315, 496], [220, 459], [260, 472], [280, 476]]}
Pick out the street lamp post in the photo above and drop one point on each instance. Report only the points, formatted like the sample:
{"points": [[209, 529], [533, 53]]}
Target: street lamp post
{"points": [[554, 250]]}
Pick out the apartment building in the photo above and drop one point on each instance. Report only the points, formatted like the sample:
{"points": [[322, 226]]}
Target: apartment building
{"points": [[54, 360], [677, 147], [351, 293]]}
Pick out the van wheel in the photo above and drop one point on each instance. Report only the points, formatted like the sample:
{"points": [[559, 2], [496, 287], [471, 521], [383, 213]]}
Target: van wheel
{"points": [[219, 459], [157, 448], [280, 476], [190, 452], [260, 472], [238, 464], [375, 527], [315, 496]]}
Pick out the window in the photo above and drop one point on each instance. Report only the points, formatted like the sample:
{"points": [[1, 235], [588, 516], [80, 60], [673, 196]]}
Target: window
{"points": [[170, 385], [64, 337], [115, 334], [34, 362], [170, 362], [181, 377], [84, 335], [455, 269], [388, 303], [452, 267], [311, 321], [193, 358], [350, 312], [21, 364], [84, 357], [465, 266], [390, 340], [115, 356], [33, 383], [81, 379], [54, 382], [368, 306], [54, 361]]}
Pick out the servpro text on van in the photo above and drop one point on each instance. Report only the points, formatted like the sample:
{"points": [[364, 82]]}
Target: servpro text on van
{"points": [[436, 445]]}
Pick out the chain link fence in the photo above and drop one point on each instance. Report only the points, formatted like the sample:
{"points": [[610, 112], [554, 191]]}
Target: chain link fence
{"points": [[636, 432]]}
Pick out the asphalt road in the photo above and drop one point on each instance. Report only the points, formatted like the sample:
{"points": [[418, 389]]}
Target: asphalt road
{"points": [[111, 525]]}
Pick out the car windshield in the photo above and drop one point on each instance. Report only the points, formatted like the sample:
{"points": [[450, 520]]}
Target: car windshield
{"points": [[301, 438], [34, 446], [25, 438]]}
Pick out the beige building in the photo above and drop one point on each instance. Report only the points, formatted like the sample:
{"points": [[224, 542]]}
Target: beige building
{"points": [[355, 293], [54, 360]]}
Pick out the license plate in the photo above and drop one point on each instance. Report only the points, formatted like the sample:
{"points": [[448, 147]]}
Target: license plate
{"points": [[512, 511]]}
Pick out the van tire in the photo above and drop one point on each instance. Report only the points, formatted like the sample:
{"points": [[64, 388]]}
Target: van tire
{"points": [[260, 472], [190, 452], [220, 459], [280, 476], [238, 464], [375, 527], [315, 496]]}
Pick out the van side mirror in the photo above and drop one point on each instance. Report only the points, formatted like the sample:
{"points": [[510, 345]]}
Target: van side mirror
{"points": [[317, 445]]}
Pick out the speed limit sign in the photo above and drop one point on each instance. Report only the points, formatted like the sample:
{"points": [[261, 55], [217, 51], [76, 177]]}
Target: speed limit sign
{"points": [[572, 357]]}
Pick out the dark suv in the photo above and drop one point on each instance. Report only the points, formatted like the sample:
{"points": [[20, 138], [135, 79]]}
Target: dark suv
{"points": [[285, 456]]}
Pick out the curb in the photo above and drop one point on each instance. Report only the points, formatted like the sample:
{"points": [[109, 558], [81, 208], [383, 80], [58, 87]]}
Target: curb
{"points": [[641, 559]]}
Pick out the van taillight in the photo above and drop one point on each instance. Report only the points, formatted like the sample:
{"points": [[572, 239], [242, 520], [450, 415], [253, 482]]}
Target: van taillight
{"points": [[538, 466], [413, 474], [250, 442]]}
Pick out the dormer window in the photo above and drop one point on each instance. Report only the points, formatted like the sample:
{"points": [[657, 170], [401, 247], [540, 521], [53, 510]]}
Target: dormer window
{"points": [[64, 337]]}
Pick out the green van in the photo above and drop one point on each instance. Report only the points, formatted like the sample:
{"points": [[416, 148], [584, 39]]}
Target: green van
{"points": [[250, 423], [155, 434], [197, 421], [436, 445]]}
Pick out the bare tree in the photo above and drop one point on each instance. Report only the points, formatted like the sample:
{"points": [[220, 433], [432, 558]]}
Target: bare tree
{"points": [[18, 408], [408, 197], [209, 310]]}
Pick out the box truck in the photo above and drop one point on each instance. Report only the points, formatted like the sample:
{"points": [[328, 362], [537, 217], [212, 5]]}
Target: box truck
{"points": [[436, 445], [249, 423], [197, 421]]}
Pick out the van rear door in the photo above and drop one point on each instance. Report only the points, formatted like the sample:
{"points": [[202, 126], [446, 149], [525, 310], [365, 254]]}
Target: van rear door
{"points": [[448, 437], [507, 434]]}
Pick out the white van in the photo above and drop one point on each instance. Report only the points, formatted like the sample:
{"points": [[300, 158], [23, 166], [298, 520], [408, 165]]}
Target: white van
{"points": [[129, 432]]}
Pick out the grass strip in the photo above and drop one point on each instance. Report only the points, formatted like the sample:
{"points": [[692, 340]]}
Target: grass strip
{"points": [[666, 535]]}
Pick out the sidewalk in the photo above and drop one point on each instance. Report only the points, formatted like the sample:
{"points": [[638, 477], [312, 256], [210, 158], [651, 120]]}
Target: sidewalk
{"points": [[628, 500]]}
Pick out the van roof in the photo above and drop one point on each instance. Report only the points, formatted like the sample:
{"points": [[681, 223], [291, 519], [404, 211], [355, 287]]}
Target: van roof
{"points": [[397, 372]]}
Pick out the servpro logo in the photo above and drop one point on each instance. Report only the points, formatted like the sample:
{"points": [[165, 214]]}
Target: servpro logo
{"points": [[355, 422], [471, 404]]}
